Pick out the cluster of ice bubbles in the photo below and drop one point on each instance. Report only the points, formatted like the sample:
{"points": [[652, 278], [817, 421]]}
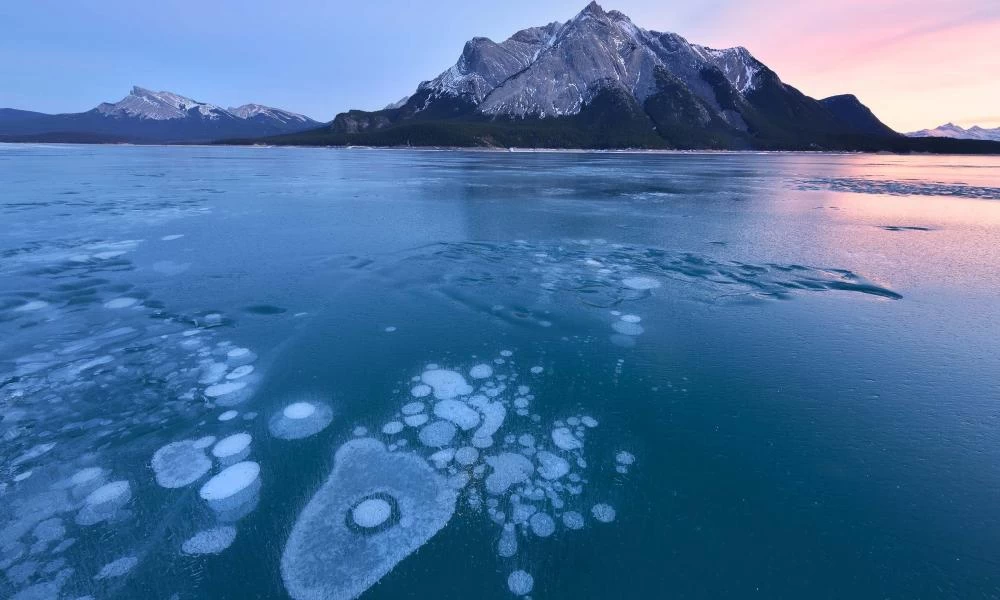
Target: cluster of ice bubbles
{"points": [[82, 407], [463, 442], [860, 185], [602, 275]]}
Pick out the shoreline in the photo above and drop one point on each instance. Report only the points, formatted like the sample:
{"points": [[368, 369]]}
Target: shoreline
{"points": [[507, 150]]}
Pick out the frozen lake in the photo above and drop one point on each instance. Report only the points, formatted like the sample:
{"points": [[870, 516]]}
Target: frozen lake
{"points": [[236, 373]]}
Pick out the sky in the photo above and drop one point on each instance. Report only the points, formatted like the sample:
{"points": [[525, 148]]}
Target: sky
{"points": [[915, 63]]}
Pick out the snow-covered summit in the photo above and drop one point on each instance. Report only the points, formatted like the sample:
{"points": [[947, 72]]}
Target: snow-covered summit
{"points": [[554, 70], [146, 104], [250, 111], [160, 106], [951, 130]]}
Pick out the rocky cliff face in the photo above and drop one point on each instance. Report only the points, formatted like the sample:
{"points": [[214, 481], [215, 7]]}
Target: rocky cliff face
{"points": [[548, 78]]}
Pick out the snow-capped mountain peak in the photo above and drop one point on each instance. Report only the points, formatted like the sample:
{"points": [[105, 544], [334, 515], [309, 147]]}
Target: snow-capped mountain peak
{"points": [[956, 131], [556, 69], [251, 111], [159, 106]]}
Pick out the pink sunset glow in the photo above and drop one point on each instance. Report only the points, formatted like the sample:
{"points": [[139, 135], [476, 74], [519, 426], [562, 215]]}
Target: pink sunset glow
{"points": [[915, 63]]}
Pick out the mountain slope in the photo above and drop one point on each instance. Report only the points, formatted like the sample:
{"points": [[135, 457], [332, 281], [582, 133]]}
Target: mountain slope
{"points": [[950, 130], [625, 86], [852, 112], [145, 116]]}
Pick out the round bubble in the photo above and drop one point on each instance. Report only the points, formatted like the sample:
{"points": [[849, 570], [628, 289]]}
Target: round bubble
{"points": [[299, 410], [300, 420], [233, 448], [371, 512], [604, 513], [413, 408], [542, 524], [481, 371], [437, 434], [234, 487], [520, 583], [392, 427], [572, 520], [179, 464]]}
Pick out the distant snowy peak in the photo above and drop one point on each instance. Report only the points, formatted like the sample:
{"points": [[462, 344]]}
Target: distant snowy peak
{"points": [[251, 111], [146, 104], [556, 69], [951, 130], [160, 106]]}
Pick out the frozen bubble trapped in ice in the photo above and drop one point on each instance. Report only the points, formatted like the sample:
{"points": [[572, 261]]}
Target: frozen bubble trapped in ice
{"points": [[210, 541], [604, 513], [179, 464], [330, 555], [300, 420], [437, 434], [640, 283], [520, 583], [234, 486]]}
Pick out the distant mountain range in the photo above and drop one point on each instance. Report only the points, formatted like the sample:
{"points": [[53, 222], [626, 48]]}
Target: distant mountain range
{"points": [[595, 81], [950, 130], [145, 116]]}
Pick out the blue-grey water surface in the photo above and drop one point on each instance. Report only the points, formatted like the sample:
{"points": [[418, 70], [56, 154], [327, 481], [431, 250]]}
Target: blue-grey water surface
{"points": [[716, 375]]}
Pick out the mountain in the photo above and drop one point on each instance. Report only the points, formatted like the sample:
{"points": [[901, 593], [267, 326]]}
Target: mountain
{"points": [[600, 81], [849, 109], [950, 130], [12, 115], [145, 116]]}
